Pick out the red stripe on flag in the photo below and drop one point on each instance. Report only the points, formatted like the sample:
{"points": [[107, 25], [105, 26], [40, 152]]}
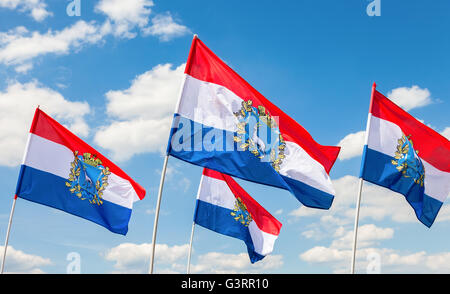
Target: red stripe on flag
{"points": [[204, 65], [264, 220], [46, 127], [213, 174], [432, 146]]}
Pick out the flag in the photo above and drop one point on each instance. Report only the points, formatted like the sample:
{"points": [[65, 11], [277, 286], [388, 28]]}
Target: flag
{"points": [[61, 171], [224, 207], [406, 156], [223, 123]]}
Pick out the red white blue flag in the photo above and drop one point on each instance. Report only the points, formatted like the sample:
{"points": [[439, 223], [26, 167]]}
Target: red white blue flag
{"points": [[406, 156], [61, 171], [221, 122], [224, 207]]}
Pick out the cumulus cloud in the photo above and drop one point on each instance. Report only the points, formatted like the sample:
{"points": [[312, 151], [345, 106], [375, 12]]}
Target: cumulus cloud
{"points": [[17, 105], [128, 17], [18, 261], [367, 236], [377, 204], [222, 263], [134, 258], [18, 47], [339, 253], [164, 27], [352, 145], [336, 225], [388, 260], [37, 9], [142, 114], [410, 98]]}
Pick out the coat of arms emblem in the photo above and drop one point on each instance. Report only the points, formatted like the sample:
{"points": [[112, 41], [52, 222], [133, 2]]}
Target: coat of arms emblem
{"points": [[258, 132], [240, 213], [88, 178], [407, 162]]}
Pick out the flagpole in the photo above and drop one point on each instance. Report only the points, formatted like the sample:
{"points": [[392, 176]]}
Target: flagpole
{"points": [[361, 182], [355, 232], [7, 233], [163, 174], [193, 227], [190, 249], [158, 205], [13, 209]]}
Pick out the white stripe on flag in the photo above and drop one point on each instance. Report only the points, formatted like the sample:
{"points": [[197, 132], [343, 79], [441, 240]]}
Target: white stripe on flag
{"points": [[299, 166], [216, 192], [56, 159], [262, 241], [209, 104]]}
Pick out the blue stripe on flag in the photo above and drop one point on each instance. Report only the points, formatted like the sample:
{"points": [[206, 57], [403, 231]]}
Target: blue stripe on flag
{"points": [[378, 169], [236, 162], [50, 190], [220, 220]]}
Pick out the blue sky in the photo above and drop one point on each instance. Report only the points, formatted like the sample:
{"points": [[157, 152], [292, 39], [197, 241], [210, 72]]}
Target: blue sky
{"points": [[316, 60]]}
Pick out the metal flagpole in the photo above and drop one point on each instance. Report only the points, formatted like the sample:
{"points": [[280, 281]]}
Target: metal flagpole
{"points": [[7, 233], [361, 181], [158, 204], [193, 227], [190, 249], [355, 232], [163, 175], [12, 211]]}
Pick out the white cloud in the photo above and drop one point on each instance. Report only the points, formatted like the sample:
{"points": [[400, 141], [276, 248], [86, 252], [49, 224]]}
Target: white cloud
{"points": [[134, 258], [320, 254], [352, 145], [36, 8], [164, 27], [409, 98], [19, 47], [142, 114], [24, 68], [378, 204], [446, 133], [222, 263], [340, 249], [367, 236], [17, 105], [126, 15], [338, 255], [18, 261], [391, 261]]}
